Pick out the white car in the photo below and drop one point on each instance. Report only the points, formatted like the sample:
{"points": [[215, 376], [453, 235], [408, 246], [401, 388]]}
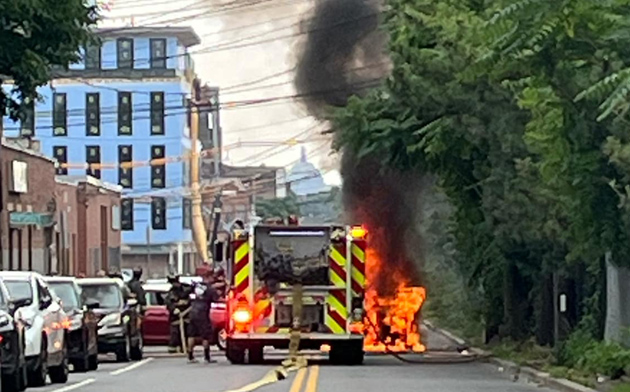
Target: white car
{"points": [[45, 321]]}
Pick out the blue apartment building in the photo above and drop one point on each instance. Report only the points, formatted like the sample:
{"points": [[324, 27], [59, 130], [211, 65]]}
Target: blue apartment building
{"points": [[122, 116]]}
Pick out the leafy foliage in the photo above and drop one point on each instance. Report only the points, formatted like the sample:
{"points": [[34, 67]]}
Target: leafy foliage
{"points": [[519, 110], [37, 35], [277, 208]]}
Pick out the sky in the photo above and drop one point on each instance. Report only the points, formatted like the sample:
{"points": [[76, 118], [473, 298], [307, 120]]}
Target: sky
{"points": [[250, 48]]}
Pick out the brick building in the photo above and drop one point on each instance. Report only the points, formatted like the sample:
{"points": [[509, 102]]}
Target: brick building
{"points": [[28, 209], [89, 215]]}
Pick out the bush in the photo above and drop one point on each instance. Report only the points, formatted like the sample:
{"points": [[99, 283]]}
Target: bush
{"points": [[581, 352]]}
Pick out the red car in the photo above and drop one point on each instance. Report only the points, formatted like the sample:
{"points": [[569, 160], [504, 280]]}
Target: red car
{"points": [[156, 326]]}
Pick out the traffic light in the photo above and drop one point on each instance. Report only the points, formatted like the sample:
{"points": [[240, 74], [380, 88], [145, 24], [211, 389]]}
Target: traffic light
{"points": [[158, 213], [126, 214]]}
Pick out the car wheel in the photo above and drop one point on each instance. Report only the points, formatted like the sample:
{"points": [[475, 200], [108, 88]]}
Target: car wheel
{"points": [[137, 350], [93, 362], [82, 364], [12, 382], [59, 374], [124, 351], [37, 374], [221, 339]]}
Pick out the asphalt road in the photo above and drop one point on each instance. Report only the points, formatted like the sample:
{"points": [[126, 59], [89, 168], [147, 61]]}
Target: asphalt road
{"points": [[159, 372]]}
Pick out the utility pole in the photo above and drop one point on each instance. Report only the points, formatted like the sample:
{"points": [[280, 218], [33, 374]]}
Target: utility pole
{"points": [[199, 230], [216, 214]]}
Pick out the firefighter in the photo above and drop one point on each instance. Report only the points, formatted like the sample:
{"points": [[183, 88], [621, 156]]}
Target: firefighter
{"points": [[136, 289], [219, 283], [200, 327], [178, 305]]}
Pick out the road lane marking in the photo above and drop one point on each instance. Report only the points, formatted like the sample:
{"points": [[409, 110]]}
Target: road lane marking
{"points": [[299, 379], [131, 367], [311, 383], [75, 386]]}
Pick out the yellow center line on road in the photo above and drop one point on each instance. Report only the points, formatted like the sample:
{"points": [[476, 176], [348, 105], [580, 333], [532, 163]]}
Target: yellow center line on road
{"points": [[311, 383], [299, 379]]}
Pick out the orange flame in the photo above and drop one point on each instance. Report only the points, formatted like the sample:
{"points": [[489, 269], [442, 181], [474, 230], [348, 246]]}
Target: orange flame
{"points": [[391, 322]]}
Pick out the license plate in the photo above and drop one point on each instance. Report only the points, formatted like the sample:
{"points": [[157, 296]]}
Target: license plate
{"points": [[310, 315]]}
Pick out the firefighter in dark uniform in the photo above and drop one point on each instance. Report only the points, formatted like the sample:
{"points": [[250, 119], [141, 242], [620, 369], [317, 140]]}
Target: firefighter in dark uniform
{"points": [[178, 305], [200, 327]]}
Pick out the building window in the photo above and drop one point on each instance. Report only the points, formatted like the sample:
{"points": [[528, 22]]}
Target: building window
{"points": [[158, 168], [28, 118], [187, 214], [124, 113], [157, 113], [60, 115], [158, 213], [158, 53], [125, 170], [124, 48], [93, 57], [60, 153], [93, 159], [92, 114], [126, 214]]}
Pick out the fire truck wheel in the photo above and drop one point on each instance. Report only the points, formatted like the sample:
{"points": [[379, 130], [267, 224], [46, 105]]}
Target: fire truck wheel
{"points": [[349, 353], [255, 355], [235, 354]]}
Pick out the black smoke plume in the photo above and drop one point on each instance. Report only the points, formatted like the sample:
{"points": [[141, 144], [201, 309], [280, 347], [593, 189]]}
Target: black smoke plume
{"points": [[343, 56], [343, 53]]}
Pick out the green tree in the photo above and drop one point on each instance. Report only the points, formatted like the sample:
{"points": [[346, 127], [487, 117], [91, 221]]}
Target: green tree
{"points": [[499, 100], [36, 36], [278, 207]]}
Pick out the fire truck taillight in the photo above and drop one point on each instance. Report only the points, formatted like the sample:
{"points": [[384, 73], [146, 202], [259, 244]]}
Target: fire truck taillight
{"points": [[242, 316], [358, 232]]}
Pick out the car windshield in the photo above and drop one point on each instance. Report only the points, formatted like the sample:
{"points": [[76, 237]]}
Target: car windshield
{"points": [[3, 301], [19, 289], [67, 293], [155, 298], [107, 295]]}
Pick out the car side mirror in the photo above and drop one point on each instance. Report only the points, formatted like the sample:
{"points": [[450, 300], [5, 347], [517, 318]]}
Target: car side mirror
{"points": [[46, 301], [92, 305], [15, 304], [131, 302]]}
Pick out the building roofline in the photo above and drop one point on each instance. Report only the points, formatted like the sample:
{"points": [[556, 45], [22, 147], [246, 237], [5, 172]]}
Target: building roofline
{"points": [[15, 147], [186, 35], [76, 180]]}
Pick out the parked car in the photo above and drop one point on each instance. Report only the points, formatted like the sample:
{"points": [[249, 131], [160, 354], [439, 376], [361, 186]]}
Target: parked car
{"points": [[12, 345], [156, 325], [44, 320], [82, 322], [118, 325]]}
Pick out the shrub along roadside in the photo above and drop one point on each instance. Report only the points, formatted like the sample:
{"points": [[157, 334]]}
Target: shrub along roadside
{"points": [[580, 359]]}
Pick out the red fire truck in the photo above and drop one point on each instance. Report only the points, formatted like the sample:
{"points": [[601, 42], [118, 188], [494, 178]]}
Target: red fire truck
{"points": [[329, 263]]}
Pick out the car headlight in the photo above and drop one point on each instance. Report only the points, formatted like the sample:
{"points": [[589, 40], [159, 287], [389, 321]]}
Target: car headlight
{"points": [[111, 319], [4, 321]]}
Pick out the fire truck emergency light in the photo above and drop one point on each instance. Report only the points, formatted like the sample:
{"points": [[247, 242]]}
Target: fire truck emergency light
{"points": [[358, 232], [242, 316]]}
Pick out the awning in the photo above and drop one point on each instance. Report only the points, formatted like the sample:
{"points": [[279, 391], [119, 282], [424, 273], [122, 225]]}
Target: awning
{"points": [[31, 218]]}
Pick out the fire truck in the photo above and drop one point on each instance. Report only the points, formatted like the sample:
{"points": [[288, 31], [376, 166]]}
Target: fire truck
{"points": [[329, 264]]}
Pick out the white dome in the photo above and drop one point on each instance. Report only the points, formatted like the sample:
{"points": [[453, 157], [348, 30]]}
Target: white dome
{"points": [[304, 178]]}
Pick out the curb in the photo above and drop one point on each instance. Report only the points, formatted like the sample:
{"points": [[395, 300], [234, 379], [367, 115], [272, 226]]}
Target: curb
{"points": [[531, 374]]}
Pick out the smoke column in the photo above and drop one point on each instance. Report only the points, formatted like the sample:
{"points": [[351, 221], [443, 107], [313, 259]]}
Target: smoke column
{"points": [[343, 54]]}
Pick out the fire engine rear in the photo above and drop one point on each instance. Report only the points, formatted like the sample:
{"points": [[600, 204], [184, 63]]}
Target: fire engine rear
{"points": [[329, 264]]}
